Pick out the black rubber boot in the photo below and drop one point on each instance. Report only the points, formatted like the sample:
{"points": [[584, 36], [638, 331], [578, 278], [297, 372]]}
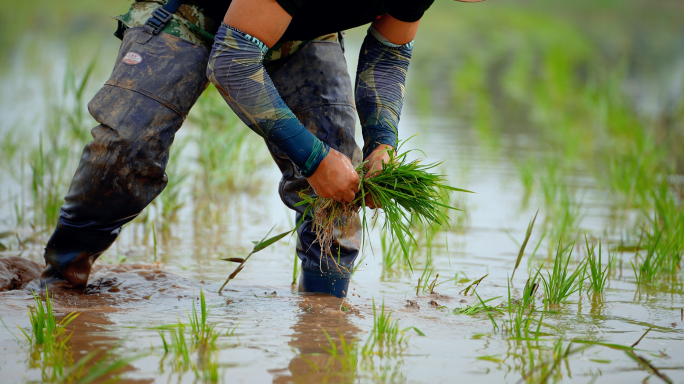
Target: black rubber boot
{"points": [[70, 254]]}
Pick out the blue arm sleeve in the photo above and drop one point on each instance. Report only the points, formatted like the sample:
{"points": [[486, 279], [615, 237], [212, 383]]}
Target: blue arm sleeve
{"points": [[236, 69], [380, 80]]}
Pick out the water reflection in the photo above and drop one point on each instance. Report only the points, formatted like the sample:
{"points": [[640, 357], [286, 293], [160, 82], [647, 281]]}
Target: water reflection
{"points": [[313, 362]]}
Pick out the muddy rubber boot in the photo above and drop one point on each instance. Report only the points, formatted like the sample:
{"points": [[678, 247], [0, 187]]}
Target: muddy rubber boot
{"points": [[70, 254], [334, 284], [328, 273]]}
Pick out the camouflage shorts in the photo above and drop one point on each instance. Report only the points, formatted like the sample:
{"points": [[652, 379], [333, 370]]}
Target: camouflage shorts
{"points": [[190, 24]]}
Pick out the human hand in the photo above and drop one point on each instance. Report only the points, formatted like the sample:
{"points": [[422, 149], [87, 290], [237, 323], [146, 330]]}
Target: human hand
{"points": [[374, 162], [335, 178]]}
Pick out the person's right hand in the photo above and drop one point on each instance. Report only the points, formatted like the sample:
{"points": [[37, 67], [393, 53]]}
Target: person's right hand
{"points": [[335, 178]]}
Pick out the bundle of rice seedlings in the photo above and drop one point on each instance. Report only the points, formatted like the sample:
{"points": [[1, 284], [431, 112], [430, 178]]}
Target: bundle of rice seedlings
{"points": [[402, 188]]}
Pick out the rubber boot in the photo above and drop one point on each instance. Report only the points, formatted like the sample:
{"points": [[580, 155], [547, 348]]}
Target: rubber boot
{"points": [[70, 254]]}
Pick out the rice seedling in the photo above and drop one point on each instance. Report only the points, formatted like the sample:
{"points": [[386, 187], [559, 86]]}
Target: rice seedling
{"points": [[201, 340], [73, 110], [47, 181], [530, 226], [651, 267], [473, 286], [171, 200], [10, 148], [597, 277], [45, 329], [559, 284], [228, 158], [203, 333], [521, 313], [478, 307], [51, 353], [386, 334], [154, 239], [391, 254], [664, 245], [407, 192], [231, 331], [295, 268], [258, 246], [179, 346]]}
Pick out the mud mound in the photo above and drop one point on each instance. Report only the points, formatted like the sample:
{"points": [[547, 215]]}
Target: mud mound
{"points": [[124, 285], [16, 272]]}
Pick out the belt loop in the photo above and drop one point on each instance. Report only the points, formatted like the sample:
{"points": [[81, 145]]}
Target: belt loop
{"points": [[144, 35]]}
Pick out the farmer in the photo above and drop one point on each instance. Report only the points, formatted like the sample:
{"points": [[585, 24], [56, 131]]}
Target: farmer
{"points": [[279, 65]]}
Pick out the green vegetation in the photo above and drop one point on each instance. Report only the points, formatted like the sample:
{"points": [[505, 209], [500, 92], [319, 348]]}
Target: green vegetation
{"points": [[559, 283], [385, 334], [51, 353], [576, 88], [378, 359], [597, 277], [202, 340], [407, 192]]}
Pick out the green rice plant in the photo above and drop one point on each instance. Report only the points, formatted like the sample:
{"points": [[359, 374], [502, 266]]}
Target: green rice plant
{"points": [[201, 340], [51, 353], [179, 346], [530, 226], [258, 246], [424, 279], [478, 307], [74, 107], [407, 192], [391, 254], [520, 316], [45, 329], [231, 331], [47, 180], [522, 323], [295, 268], [597, 277], [386, 334], [473, 286], [664, 244], [559, 283], [10, 149], [526, 172], [171, 200], [203, 333], [229, 156]]}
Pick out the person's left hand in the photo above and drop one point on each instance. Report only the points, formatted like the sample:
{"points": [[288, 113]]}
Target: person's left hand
{"points": [[375, 160]]}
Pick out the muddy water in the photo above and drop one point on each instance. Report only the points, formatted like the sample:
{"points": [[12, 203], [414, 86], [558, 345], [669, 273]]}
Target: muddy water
{"points": [[280, 334]]}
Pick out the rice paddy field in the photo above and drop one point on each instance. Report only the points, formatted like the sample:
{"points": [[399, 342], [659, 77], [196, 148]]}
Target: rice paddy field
{"points": [[566, 120]]}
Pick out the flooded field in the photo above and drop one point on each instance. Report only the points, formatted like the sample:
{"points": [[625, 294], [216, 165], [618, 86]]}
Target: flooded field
{"points": [[566, 124]]}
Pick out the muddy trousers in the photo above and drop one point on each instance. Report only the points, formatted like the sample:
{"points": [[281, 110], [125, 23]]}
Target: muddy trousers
{"points": [[155, 82]]}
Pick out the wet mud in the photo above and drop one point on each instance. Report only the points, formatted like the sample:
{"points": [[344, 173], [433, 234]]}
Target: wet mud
{"points": [[17, 273]]}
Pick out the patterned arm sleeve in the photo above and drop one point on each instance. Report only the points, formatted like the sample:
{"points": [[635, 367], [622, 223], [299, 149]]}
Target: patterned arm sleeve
{"points": [[380, 80], [236, 69]]}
